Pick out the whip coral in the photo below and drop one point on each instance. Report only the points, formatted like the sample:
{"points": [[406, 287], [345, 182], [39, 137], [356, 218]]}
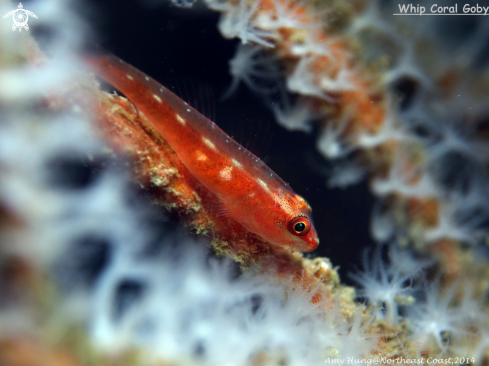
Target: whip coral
{"points": [[408, 145], [362, 116]]}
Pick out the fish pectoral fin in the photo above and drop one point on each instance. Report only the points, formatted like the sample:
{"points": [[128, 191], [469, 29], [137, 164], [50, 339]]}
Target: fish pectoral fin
{"points": [[218, 208]]}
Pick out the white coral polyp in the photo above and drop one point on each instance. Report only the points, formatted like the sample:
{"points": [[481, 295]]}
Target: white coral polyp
{"points": [[195, 311]]}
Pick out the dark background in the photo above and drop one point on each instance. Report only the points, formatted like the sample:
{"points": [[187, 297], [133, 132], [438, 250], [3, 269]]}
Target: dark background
{"points": [[183, 48]]}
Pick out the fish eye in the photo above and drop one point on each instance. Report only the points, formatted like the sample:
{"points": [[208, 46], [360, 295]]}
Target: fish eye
{"points": [[299, 225]]}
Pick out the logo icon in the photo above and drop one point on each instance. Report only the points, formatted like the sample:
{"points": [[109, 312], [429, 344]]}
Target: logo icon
{"points": [[20, 17]]}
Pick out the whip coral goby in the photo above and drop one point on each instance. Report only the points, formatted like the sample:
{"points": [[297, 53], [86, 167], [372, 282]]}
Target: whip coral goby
{"points": [[249, 191]]}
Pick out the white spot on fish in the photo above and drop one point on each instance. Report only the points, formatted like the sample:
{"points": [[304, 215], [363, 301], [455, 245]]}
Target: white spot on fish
{"points": [[157, 98], [236, 163], [129, 77], [161, 90], [188, 110], [201, 156], [225, 173], [147, 78], [263, 184], [180, 119], [209, 143]]}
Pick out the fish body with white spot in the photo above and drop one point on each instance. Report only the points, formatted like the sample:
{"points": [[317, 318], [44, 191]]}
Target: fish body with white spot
{"points": [[250, 191]]}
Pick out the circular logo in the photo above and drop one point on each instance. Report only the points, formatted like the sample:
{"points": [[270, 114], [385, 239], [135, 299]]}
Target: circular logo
{"points": [[20, 18]]}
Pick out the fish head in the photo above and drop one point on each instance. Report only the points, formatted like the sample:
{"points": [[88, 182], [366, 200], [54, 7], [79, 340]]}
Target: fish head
{"points": [[289, 223]]}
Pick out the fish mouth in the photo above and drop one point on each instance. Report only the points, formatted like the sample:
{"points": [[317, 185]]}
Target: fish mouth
{"points": [[310, 245]]}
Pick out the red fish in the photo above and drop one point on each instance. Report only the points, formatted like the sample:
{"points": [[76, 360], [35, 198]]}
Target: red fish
{"points": [[249, 191]]}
